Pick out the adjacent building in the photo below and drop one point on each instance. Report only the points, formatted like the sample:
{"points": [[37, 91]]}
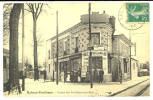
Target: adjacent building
{"points": [[73, 52]]}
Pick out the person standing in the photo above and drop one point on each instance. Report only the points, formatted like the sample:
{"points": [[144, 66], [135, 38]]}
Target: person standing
{"points": [[79, 75], [72, 76], [101, 76], [96, 75], [44, 75], [65, 76]]}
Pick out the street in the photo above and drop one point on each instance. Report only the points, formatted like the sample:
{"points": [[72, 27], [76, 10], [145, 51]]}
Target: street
{"points": [[50, 89], [138, 90]]}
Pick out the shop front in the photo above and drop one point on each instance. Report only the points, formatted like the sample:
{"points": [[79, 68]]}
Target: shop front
{"points": [[75, 68], [70, 68], [98, 64]]}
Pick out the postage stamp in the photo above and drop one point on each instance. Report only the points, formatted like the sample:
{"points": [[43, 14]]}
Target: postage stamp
{"points": [[137, 12], [132, 16]]}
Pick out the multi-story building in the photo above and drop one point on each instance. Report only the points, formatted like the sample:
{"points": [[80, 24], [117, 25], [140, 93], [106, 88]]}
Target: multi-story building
{"points": [[73, 47], [111, 53], [120, 62]]}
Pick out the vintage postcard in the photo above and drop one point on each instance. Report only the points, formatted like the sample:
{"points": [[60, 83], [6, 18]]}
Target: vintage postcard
{"points": [[76, 49]]}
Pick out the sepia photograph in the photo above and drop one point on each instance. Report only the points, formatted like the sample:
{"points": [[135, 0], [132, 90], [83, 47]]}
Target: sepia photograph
{"points": [[76, 49]]}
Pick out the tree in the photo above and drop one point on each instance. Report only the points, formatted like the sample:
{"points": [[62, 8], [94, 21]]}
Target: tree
{"points": [[35, 10], [6, 12], [13, 47]]}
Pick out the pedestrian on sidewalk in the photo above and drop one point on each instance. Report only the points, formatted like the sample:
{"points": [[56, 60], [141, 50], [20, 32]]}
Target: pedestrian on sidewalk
{"points": [[101, 75], [44, 75], [65, 76], [72, 76], [95, 75], [120, 76]]}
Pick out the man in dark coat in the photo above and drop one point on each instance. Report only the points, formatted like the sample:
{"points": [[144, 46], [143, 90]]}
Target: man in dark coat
{"points": [[44, 75], [101, 76], [96, 75], [72, 76]]}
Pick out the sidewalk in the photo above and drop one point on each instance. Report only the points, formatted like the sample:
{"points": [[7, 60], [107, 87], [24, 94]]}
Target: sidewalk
{"points": [[50, 89]]}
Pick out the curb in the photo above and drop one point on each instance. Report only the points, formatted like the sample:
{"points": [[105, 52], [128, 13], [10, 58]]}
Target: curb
{"points": [[127, 88]]}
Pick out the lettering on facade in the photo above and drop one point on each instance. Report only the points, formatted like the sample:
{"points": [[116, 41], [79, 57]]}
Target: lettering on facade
{"points": [[85, 62], [95, 53], [65, 59]]}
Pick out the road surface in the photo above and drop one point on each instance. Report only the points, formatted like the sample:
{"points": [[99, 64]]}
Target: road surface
{"points": [[142, 89]]}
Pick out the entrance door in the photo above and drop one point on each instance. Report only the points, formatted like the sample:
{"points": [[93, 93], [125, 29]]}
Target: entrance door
{"points": [[96, 63], [114, 65]]}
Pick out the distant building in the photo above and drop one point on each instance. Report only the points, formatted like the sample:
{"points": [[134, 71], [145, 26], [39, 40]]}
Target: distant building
{"points": [[120, 61]]}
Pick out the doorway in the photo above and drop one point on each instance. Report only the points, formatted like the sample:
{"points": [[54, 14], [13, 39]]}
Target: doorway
{"points": [[115, 70]]}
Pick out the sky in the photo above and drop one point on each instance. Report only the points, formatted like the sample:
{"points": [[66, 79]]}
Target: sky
{"points": [[69, 15]]}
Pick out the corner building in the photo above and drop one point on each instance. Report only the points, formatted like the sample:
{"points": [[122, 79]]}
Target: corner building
{"points": [[73, 48]]}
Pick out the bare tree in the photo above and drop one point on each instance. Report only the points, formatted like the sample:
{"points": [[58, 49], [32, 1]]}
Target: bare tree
{"points": [[13, 47], [35, 9], [6, 12]]}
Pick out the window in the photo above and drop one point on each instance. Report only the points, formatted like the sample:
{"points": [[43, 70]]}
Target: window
{"points": [[125, 65], [48, 54], [77, 42], [96, 62], [95, 38], [76, 63], [4, 61], [65, 45]]}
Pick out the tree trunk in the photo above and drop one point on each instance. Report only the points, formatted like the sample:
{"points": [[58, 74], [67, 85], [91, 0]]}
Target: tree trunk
{"points": [[13, 47], [35, 50]]}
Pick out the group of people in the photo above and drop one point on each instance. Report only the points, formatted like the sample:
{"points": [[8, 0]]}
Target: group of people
{"points": [[75, 76], [98, 75]]}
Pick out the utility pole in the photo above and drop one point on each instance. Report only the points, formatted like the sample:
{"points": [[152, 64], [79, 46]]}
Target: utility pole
{"points": [[23, 80], [90, 47], [130, 53], [57, 47]]}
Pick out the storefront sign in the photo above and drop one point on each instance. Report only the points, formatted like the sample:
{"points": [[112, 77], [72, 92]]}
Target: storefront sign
{"points": [[64, 59], [95, 53], [85, 62], [98, 48], [75, 56]]}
